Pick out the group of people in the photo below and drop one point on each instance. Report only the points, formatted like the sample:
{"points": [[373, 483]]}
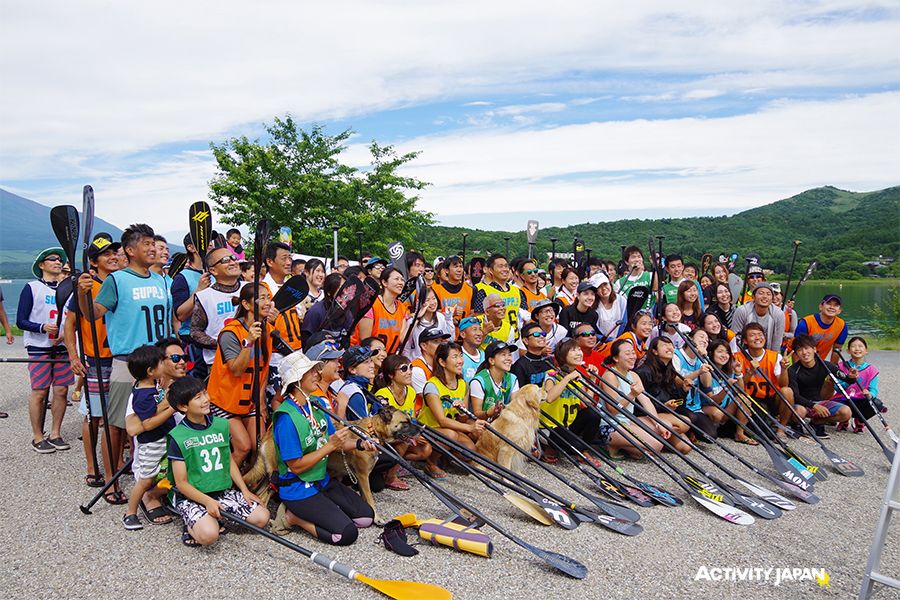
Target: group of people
{"points": [[190, 373]]}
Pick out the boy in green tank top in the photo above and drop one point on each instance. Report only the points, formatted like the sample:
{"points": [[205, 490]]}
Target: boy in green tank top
{"points": [[202, 469]]}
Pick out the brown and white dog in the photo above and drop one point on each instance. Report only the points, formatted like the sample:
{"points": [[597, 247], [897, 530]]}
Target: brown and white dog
{"points": [[390, 426], [518, 422]]}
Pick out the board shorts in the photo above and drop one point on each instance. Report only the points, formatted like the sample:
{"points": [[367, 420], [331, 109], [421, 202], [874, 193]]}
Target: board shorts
{"points": [[231, 500], [92, 393], [833, 406], [120, 384], [148, 458], [45, 375], [224, 414]]}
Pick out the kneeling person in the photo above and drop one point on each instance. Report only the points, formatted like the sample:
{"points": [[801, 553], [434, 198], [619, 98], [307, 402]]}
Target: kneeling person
{"points": [[202, 469]]}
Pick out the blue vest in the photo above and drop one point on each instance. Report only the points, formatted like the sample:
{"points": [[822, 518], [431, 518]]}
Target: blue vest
{"points": [[143, 313], [192, 278]]}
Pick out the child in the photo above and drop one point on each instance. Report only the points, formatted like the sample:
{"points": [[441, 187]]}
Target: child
{"points": [[199, 450], [145, 364], [863, 393]]}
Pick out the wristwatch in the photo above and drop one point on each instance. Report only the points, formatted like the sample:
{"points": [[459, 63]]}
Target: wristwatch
{"points": [[245, 343]]}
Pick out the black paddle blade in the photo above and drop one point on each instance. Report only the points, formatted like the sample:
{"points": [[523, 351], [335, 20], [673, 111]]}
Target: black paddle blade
{"points": [[178, 263], [63, 293], [793, 472], [397, 255], [797, 492], [659, 495], [637, 496], [705, 263], [87, 214], [613, 509], [613, 523], [64, 221], [563, 564], [560, 514], [200, 225], [754, 505], [291, 293], [613, 489], [637, 296], [842, 465]]}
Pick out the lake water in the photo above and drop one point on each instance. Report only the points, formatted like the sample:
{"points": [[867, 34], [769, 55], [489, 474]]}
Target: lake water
{"points": [[856, 295]]}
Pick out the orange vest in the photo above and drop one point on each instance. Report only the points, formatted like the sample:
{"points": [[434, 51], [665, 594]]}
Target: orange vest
{"points": [[387, 326], [826, 337], [531, 299], [640, 348], [233, 393], [461, 298], [288, 327], [87, 340], [755, 385]]}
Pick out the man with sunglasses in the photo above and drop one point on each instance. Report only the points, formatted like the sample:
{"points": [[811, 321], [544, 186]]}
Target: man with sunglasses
{"points": [[533, 364], [213, 305], [761, 309], [545, 314], [586, 337], [494, 323], [37, 317], [530, 289]]}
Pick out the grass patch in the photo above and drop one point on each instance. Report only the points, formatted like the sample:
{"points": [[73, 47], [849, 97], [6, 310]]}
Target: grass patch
{"points": [[883, 343]]}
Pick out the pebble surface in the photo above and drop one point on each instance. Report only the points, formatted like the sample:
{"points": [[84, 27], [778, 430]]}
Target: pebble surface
{"points": [[51, 550]]}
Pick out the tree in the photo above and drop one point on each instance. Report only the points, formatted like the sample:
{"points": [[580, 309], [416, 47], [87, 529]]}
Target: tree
{"points": [[297, 179]]}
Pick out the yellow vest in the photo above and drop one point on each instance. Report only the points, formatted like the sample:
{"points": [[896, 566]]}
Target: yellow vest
{"points": [[448, 397], [512, 298]]}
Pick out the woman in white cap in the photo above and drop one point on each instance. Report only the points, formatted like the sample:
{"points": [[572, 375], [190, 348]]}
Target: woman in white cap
{"points": [[305, 437]]}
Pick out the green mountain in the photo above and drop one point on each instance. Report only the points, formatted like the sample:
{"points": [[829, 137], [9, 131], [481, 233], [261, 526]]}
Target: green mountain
{"points": [[25, 231], [840, 229]]}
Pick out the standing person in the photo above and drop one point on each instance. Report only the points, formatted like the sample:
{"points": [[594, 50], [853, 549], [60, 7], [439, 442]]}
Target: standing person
{"points": [[137, 306], [772, 364], [721, 303], [415, 264], [202, 469], [386, 320], [298, 266], [278, 265], [636, 275], [4, 323], [790, 315], [213, 306], [429, 316], [103, 257], [582, 310], [493, 385], [305, 437], [755, 276], [185, 286], [315, 278], [470, 337], [533, 364], [688, 301], [826, 328], [545, 314], [813, 388], [454, 293], [315, 316], [162, 258], [530, 289], [567, 293], [675, 269], [233, 244], [231, 374], [37, 318], [610, 308], [555, 270], [762, 311], [496, 281]]}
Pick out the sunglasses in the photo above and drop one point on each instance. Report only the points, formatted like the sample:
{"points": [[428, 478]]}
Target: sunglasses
{"points": [[501, 305], [755, 277], [53, 259], [404, 368], [586, 334], [177, 358], [537, 334], [530, 271], [224, 260]]}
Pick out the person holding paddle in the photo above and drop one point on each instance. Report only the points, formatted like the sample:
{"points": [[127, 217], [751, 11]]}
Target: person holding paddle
{"points": [[386, 319], [213, 304], [185, 285]]}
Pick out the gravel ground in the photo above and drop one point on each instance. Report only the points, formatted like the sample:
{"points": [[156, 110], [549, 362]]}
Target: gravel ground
{"points": [[52, 550]]}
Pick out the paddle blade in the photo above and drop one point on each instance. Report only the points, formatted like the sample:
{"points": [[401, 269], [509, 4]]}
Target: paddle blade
{"points": [[659, 495], [768, 495], [63, 293], [200, 225], [619, 525], [87, 215], [397, 255], [615, 510], [756, 506], [563, 564], [291, 293], [179, 262], [729, 513], [529, 508], [797, 492], [405, 590], [64, 221], [637, 496], [842, 465], [637, 296], [559, 514]]}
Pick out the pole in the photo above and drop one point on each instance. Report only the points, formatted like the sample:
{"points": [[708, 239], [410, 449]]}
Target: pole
{"points": [[359, 235], [334, 230], [553, 248], [507, 246], [787, 286], [463, 257]]}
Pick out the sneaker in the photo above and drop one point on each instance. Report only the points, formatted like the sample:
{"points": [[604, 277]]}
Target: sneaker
{"points": [[59, 443], [131, 523], [842, 426], [820, 432], [858, 426], [42, 447]]}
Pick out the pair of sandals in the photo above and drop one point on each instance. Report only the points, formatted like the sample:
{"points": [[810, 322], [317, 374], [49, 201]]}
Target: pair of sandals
{"points": [[190, 542]]}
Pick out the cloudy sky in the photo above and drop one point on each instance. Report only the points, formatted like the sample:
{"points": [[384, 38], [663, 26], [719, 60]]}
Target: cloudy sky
{"points": [[519, 108]]}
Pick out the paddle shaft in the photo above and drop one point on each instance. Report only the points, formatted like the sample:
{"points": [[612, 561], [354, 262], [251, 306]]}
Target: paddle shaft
{"points": [[787, 286], [867, 397]]}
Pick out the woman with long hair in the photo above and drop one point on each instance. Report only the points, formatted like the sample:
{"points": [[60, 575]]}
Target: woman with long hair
{"points": [[315, 316], [429, 316], [610, 308], [719, 352], [638, 333], [722, 304], [689, 303]]}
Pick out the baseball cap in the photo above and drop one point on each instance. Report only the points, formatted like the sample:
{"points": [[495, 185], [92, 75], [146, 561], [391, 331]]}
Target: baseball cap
{"points": [[754, 270], [496, 346], [375, 260], [599, 278], [584, 286], [102, 243], [544, 303], [357, 354], [468, 322], [776, 287], [327, 350], [433, 333], [762, 286], [829, 297]]}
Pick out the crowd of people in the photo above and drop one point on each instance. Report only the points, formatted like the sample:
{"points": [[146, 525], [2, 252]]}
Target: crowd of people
{"points": [[189, 374]]}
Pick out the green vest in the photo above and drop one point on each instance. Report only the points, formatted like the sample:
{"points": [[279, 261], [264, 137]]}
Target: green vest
{"points": [[309, 441], [671, 291], [491, 395], [206, 453]]}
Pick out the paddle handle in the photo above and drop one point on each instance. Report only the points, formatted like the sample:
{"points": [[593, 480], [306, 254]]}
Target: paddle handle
{"points": [[332, 565]]}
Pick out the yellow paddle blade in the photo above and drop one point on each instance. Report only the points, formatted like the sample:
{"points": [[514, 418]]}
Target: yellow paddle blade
{"points": [[406, 590], [528, 507]]}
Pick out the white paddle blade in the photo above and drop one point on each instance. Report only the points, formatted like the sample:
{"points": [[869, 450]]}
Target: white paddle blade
{"points": [[768, 495], [729, 513]]}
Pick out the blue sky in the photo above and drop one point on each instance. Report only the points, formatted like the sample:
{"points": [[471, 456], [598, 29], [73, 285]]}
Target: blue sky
{"points": [[594, 111]]}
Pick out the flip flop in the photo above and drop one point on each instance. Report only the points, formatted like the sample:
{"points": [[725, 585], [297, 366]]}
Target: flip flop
{"points": [[748, 441], [187, 540], [94, 480], [115, 498], [157, 516], [438, 474], [397, 485]]}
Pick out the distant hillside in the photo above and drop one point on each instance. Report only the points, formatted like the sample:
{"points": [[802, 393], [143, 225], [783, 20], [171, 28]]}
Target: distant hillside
{"points": [[25, 231], [839, 228]]}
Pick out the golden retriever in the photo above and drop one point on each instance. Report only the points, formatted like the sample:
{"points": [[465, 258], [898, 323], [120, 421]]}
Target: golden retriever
{"points": [[518, 422]]}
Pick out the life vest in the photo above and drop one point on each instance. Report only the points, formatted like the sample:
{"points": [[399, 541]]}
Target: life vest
{"points": [[492, 395], [206, 454], [826, 337], [531, 299], [640, 347], [448, 397], [219, 309], [504, 332], [233, 393], [448, 299], [311, 439], [386, 325], [564, 409], [755, 385], [409, 405], [87, 339], [864, 377], [512, 298], [43, 310]]}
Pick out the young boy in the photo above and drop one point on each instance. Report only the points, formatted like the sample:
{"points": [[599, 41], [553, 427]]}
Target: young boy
{"points": [[471, 336], [145, 364], [199, 450]]}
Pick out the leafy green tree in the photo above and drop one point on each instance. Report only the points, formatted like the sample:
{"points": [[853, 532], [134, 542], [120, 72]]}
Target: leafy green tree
{"points": [[298, 179], [886, 316]]}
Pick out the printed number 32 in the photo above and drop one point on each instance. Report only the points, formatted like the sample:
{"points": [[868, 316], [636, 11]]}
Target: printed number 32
{"points": [[212, 461]]}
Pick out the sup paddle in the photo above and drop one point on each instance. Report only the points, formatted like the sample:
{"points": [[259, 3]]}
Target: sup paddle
{"points": [[393, 588], [200, 225], [637, 297], [291, 293], [178, 263], [787, 286], [806, 275], [260, 239]]}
